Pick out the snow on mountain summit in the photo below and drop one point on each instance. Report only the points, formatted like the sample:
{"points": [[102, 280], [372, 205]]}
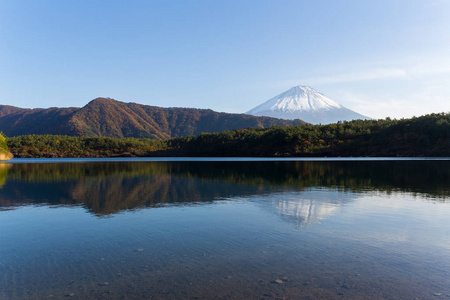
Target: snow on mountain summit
{"points": [[303, 102], [297, 98]]}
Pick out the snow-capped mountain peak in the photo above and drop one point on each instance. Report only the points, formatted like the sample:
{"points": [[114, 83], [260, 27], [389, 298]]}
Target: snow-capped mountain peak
{"points": [[298, 98], [304, 102]]}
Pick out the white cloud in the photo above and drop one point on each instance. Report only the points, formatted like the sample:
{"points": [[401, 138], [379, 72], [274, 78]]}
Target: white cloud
{"points": [[405, 69], [359, 76], [374, 74], [380, 107], [411, 72], [438, 2], [421, 70]]}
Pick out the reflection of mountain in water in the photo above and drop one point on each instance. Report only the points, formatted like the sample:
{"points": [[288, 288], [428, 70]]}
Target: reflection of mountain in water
{"points": [[104, 196], [118, 194], [305, 208], [108, 188]]}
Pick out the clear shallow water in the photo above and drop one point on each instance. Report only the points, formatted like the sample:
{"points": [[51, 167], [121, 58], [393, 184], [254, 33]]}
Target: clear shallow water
{"points": [[225, 230]]}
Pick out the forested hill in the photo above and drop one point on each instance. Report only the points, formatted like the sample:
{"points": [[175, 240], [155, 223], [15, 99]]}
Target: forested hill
{"points": [[428, 135], [423, 136], [104, 117]]}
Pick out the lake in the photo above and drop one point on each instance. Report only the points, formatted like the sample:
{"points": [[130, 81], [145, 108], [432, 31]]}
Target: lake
{"points": [[225, 229]]}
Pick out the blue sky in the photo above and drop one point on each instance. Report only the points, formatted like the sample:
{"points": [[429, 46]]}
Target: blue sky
{"points": [[380, 58]]}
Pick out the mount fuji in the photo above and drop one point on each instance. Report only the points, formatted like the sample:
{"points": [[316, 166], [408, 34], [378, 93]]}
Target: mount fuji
{"points": [[307, 104]]}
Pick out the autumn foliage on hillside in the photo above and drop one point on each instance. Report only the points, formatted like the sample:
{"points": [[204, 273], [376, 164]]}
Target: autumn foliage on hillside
{"points": [[104, 117]]}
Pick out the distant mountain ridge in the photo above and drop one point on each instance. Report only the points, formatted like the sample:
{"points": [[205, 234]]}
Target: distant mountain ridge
{"points": [[111, 118], [307, 104]]}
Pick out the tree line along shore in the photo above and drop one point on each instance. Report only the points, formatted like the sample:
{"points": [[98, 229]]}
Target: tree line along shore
{"points": [[427, 135]]}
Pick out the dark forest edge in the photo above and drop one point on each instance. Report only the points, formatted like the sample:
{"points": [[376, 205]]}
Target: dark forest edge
{"points": [[427, 135]]}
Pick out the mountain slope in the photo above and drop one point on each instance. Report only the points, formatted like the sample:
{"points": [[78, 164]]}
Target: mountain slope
{"points": [[111, 118], [305, 103], [19, 121]]}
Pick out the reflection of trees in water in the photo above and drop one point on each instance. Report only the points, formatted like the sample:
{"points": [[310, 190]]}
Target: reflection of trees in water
{"points": [[3, 173], [106, 188]]}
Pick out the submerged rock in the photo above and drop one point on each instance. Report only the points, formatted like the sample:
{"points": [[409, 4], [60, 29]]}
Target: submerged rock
{"points": [[279, 281]]}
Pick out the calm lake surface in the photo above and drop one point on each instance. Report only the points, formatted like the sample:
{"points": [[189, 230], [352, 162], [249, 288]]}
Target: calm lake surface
{"points": [[231, 229]]}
